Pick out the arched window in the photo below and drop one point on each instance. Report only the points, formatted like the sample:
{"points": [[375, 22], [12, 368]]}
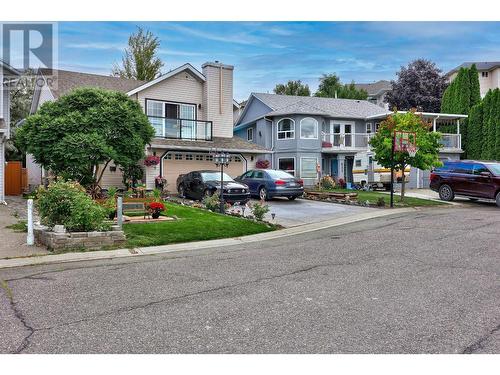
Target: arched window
{"points": [[308, 128], [286, 129]]}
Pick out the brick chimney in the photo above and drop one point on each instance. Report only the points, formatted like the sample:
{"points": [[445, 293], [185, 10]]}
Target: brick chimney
{"points": [[218, 97]]}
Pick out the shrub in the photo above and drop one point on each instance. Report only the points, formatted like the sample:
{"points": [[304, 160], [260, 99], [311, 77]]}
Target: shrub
{"points": [[66, 203], [212, 202], [259, 210], [327, 182]]}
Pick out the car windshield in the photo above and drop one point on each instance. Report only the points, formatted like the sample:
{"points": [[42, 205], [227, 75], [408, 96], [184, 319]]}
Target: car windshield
{"points": [[278, 174], [215, 176], [495, 168]]}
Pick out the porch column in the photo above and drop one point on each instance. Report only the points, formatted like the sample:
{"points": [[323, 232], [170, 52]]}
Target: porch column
{"points": [[434, 125], [459, 142], [341, 164]]}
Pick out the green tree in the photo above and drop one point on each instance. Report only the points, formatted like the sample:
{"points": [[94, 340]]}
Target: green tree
{"points": [[79, 134], [427, 142], [331, 87], [140, 60], [460, 96], [296, 88], [476, 131]]}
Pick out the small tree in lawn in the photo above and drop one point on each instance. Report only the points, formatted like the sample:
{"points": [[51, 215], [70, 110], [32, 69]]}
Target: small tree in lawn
{"points": [[427, 143], [78, 135]]}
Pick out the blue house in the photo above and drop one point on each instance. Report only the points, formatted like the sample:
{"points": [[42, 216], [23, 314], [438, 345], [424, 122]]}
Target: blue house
{"points": [[312, 136]]}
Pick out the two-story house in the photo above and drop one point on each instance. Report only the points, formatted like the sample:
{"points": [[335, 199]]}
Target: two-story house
{"points": [[376, 91], [7, 75], [191, 111], [312, 136], [488, 72]]}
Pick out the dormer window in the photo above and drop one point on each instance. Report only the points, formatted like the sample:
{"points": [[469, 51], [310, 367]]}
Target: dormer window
{"points": [[484, 74], [250, 134]]}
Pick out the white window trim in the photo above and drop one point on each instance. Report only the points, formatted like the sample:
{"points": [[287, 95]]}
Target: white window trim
{"points": [[278, 127], [300, 169], [249, 131], [316, 125], [294, 163]]}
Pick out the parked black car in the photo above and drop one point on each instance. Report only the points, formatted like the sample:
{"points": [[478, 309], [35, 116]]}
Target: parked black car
{"points": [[270, 183], [199, 184], [470, 178]]}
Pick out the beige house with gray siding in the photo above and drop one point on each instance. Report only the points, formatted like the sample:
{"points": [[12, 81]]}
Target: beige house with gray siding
{"points": [[191, 111], [488, 72]]}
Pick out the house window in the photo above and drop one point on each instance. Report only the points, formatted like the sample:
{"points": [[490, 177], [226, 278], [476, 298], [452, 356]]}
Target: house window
{"points": [[168, 156], [308, 167], [155, 113], [358, 162], [308, 128], [199, 157], [237, 159], [178, 157], [209, 158], [484, 74], [368, 127], [377, 126], [112, 168], [287, 165], [286, 129], [189, 157], [250, 134]]}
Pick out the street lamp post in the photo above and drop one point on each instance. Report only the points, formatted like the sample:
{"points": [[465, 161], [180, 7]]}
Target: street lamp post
{"points": [[221, 159]]}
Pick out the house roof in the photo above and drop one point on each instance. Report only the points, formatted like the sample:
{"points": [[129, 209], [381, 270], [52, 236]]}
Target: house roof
{"points": [[234, 144], [343, 108], [66, 80], [375, 88], [9, 68], [487, 65]]}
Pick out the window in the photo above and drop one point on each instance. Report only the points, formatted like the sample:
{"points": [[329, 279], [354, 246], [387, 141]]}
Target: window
{"points": [[308, 128], [478, 168], [199, 157], [250, 134], [155, 108], [178, 157], [484, 74], [286, 129], [377, 126], [463, 168], [368, 127], [258, 174], [237, 159], [358, 162], [287, 165], [112, 168], [168, 156], [308, 167], [247, 174], [209, 158], [189, 156]]}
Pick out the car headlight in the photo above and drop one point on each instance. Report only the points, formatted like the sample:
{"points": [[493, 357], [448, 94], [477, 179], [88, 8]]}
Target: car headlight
{"points": [[243, 190]]}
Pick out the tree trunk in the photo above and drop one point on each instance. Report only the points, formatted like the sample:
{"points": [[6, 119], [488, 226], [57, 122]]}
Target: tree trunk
{"points": [[403, 183], [98, 179]]}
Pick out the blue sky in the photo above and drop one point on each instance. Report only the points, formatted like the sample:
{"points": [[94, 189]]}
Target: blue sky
{"points": [[266, 53]]}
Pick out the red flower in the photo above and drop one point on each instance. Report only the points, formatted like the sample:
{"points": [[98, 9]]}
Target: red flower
{"points": [[151, 160], [157, 206]]}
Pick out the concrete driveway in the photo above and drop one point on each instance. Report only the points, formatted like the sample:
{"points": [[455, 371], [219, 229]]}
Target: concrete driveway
{"points": [[302, 211]]}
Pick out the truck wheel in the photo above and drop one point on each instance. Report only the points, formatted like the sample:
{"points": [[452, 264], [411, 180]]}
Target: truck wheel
{"points": [[446, 193]]}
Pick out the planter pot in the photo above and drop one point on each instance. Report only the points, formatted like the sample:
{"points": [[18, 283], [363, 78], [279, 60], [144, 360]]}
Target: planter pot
{"points": [[155, 214]]}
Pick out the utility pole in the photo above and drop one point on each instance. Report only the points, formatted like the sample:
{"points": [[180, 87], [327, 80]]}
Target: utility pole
{"points": [[392, 169]]}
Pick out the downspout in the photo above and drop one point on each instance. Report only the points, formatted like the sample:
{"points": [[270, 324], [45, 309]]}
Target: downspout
{"points": [[220, 90]]}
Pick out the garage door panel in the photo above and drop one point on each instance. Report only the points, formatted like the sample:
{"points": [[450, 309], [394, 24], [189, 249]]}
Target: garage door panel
{"points": [[173, 168]]}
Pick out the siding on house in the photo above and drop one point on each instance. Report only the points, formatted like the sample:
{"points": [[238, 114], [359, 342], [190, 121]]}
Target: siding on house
{"points": [[254, 109]]}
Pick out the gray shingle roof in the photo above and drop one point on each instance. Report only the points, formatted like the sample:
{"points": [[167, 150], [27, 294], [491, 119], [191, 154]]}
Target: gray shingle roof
{"points": [[375, 88], [342, 108], [65, 81], [226, 144], [487, 65]]}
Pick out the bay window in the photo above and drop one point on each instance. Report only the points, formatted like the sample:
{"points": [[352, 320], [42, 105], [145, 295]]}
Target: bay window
{"points": [[286, 129]]}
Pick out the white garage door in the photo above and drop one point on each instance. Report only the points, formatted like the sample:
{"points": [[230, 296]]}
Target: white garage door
{"points": [[176, 163]]}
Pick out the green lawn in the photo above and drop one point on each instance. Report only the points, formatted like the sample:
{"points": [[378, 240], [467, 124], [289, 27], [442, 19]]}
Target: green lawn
{"points": [[193, 224], [373, 197]]}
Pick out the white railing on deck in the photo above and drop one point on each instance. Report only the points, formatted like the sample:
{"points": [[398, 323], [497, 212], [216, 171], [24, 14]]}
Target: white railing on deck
{"points": [[346, 140]]}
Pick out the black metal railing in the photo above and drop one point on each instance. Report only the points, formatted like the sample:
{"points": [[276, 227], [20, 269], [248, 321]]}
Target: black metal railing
{"points": [[178, 128]]}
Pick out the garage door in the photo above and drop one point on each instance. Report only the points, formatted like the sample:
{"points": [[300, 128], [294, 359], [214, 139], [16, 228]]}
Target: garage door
{"points": [[175, 164]]}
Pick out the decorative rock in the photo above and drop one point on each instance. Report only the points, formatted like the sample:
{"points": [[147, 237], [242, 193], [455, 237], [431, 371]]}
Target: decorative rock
{"points": [[59, 229]]}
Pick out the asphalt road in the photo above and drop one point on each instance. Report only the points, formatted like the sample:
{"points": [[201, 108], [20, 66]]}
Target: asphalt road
{"points": [[424, 282]]}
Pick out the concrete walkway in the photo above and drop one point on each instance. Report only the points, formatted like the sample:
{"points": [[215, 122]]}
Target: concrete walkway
{"points": [[13, 243]]}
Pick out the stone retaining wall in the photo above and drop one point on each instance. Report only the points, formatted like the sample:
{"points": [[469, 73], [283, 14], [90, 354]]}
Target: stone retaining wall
{"points": [[69, 240]]}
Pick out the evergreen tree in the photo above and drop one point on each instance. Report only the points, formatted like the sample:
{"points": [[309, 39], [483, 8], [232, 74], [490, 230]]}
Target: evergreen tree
{"points": [[475, 92], [475, 131], [485, 144]]}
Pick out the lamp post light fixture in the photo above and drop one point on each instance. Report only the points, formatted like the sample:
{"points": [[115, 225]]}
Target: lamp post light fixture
{"points": [[221, 159]]}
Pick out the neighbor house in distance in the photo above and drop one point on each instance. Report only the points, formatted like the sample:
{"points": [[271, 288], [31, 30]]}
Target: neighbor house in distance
{"points": [[376, 91], [489, 74]]}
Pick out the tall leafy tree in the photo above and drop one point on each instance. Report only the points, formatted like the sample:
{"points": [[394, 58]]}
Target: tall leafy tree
{"points": [[296, 88], [419, 85], [330, 86], [79, 134], [140, 60], [427, 142]]}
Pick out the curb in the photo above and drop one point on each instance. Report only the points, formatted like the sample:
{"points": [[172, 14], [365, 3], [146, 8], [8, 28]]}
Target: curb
{"points": [[199, 245]]}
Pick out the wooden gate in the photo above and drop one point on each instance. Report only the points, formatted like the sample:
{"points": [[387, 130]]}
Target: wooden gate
{"points": [[15, 178]]}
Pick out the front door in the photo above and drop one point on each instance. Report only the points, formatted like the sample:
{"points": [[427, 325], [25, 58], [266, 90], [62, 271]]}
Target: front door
{"points": [[334, 165], [187, 112]]}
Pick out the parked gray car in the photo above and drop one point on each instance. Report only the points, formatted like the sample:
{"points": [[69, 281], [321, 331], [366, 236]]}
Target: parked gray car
{"points": [[270, 183]]}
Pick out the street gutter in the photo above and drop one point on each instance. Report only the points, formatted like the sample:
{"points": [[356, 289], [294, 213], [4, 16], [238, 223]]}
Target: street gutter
{"points": [[198, 245]]}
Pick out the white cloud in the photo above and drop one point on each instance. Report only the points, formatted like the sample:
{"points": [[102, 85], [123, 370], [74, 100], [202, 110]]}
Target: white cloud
{"points": [[97, 45]]}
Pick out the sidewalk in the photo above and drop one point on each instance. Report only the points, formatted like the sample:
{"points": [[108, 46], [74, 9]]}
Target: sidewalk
{"points": [[200, 245], [12, 243]]}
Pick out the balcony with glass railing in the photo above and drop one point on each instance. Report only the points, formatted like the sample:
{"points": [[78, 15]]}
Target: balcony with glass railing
{"points": [[187, 129]]}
